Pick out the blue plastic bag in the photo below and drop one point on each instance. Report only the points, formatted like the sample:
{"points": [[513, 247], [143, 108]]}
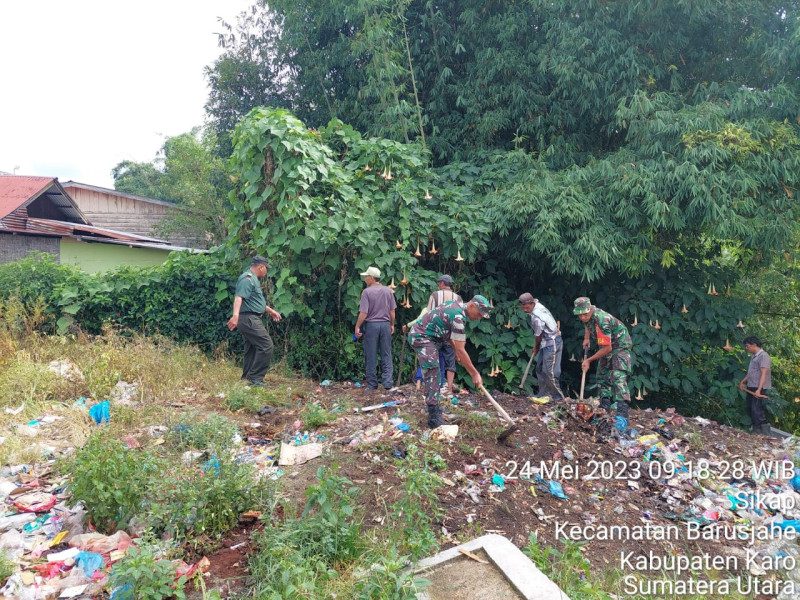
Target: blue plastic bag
{"points": [[100, 412], [795, 481], [557, 490], [89, 562], [498, 480], [621, 423]]}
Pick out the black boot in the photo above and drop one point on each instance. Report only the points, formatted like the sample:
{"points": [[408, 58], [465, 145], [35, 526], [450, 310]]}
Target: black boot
{"points": [[435, 416]]}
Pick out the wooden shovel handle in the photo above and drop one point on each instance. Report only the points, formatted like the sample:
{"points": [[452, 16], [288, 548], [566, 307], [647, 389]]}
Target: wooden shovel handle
{"points": [[583, 373], [499, 408]]}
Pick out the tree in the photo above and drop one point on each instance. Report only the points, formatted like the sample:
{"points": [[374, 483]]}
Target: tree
{"points": [[643, 153], [141, 179], [187, 172]]}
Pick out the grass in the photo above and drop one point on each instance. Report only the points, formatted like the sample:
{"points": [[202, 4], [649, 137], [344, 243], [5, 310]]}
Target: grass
{"points": [[480, 427], [314, 415]]}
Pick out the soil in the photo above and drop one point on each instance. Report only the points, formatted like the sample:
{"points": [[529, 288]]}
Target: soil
{"points": [[516, 512]]}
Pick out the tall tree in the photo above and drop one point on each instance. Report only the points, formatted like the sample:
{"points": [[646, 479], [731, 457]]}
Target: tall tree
{"points": [[185, 171], [645, 153]]}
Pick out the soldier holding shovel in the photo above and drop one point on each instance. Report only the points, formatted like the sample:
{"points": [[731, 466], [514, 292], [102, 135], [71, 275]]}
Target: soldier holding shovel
{"points": [[613, 356], [445, 324]]}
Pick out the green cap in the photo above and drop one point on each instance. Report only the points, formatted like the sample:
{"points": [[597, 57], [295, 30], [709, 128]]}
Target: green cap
{"points": [[582, 306], [483, 305]]}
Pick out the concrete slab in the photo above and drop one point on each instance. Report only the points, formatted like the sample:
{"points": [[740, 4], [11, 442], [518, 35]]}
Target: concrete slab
{"points": [[509, 575]]}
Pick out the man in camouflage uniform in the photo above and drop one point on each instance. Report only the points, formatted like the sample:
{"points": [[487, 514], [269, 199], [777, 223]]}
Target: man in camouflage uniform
{"points": [[613, 356], [445, 324]]}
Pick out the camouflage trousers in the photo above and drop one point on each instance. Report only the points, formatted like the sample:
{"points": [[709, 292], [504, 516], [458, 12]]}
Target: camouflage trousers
{"points": [[612, 379], [428, 354]]}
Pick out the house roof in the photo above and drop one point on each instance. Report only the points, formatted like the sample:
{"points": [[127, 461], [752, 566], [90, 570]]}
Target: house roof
{"points": [[20, 191], [94, 188]]}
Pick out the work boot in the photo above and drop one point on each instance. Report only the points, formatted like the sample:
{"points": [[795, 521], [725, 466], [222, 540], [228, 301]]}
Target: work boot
{"points": [[765, 429], [435, 416]]}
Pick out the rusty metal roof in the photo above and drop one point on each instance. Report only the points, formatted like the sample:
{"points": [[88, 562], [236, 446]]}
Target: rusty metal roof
{"points": [[50, 227], [21, 191]]}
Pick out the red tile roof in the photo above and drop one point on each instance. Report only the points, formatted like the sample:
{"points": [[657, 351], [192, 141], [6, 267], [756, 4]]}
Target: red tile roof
{"points": [[16, 190]]}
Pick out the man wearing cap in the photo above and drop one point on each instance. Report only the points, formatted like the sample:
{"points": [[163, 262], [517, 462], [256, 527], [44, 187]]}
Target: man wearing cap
{"points": [[376, 314], [447, 354], [613, 356], [548, 344], [248, 306], [445, 324]]}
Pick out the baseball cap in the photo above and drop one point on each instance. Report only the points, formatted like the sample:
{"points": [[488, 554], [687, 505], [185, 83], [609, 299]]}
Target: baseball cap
{"points": [[372, 272], [527, 298], [445, 279], [483, 305], [582, 306], [259, 260]]}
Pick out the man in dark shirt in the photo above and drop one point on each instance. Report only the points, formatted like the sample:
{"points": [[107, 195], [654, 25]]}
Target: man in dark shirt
{"points": [[248, 306], [756, 384], [376, 313]]}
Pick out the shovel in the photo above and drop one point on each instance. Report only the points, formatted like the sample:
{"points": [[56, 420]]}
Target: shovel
{"points": [[525, 375], [583, 374], [400, 366], [512, 426]]}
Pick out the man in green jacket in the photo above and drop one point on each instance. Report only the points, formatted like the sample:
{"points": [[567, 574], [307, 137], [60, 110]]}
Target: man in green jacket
{"points": [[248, 306]]}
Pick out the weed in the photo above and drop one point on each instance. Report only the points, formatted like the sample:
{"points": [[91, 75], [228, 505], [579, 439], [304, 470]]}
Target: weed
{"points": [[465, 448], [568, 568], [469, 532], [140, 575], [693, 437], [110, 480], [297, 558], [313, 416], [215, 433], [330, 505], [389, 579], [203, 503], [481, 427], [240, 398], [7, 567], [418, 505]]}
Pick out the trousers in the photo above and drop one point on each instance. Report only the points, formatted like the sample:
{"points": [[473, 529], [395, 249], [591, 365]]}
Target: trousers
{"points": [[378, 337], [756, 408], [548, 370], [258, 347], [612, 378], [428, 354]]}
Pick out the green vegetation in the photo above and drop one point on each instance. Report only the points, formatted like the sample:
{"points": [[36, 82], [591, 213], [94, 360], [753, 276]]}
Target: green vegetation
{"points": [[313, 415], [646, 155], [141, 576], [7, 567]]}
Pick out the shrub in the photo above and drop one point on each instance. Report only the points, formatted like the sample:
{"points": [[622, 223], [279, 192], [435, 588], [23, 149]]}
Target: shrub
{"points": [[7, 566], [296, 557], [111, 480], [313, 416], [418, 506], [140, 575], [214, 433], [205, 501]]}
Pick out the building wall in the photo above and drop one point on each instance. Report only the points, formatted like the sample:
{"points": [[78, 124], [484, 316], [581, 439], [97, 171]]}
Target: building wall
{"points": [[112, 211], [15, 247], [95, 257]]}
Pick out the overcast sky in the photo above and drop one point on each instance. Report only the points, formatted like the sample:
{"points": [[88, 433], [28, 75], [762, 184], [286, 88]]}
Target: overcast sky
{"points": [[85, 84]]}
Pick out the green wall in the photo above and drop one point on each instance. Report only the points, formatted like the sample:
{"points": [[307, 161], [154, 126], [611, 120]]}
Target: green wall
{"points": [[94, 257]]}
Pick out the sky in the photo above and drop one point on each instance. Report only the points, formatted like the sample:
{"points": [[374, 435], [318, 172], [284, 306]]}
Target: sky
{"points": [[85, 84]]}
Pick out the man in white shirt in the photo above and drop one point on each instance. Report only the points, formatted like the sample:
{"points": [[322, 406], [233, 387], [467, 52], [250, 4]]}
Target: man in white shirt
{"points": [[548, 345]]}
